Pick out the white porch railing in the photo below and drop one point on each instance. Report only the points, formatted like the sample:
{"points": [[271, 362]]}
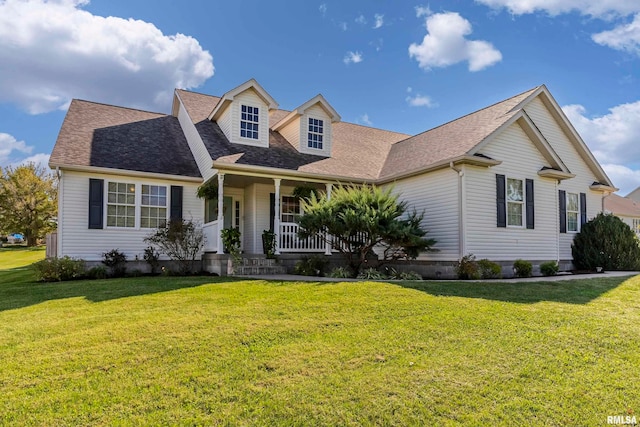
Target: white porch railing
{"points": [[289, 241], [210, 231]]}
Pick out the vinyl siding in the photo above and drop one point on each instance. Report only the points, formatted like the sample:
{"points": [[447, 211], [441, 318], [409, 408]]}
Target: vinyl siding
{"points": [[520, 160], [565, 149], [292, 132], [77, 240], [198, 149], [316, 112], [436, 194], [249, 98], [248, 238]]}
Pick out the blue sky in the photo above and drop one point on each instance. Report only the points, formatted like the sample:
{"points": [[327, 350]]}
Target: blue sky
{"points": [[399, 65]]}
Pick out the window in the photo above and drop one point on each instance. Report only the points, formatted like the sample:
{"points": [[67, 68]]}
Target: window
{"points": [[515, 202], [153, 211], [121, 205], [290, 208], [636, 226], [315, 134], [249, 122], [573, 212]]}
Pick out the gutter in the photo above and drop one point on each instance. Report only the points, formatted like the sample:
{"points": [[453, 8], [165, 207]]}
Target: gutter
{"points": [[461, 211]]}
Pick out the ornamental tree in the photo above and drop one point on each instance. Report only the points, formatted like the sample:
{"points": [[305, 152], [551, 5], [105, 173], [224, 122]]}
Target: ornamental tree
{"points": [[360, 221]]}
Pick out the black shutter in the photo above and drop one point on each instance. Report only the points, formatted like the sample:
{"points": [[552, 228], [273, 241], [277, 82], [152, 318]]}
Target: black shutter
{"points": [[272, 210], [529, 207], [96, 203], [583, 209], [562, 199], [501, 203], [176, 203]]}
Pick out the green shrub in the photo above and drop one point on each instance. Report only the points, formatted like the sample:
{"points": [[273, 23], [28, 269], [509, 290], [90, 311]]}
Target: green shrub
{"points": [[340, 273], [467, 268], [181, 240], [313, 265], [410, 275], [97, 272], [549, 268], [152, 257], [59, 269], [269, 243], [607, 242], [371, 274], [489, 269], [231, 242], [522, 268], [116, 261]]}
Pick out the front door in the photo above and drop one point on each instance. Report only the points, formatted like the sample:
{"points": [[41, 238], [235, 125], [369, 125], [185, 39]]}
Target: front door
{"points": [[228, 212]]}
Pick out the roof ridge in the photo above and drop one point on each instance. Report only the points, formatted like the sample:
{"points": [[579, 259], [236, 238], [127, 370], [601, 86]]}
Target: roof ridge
{"points": [[119, 106]]}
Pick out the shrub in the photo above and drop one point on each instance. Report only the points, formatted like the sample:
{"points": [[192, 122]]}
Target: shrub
{"points": [[410, 275], [467, 268], [522, 268], [370, 274], [607, 242], [231, 242], [340, 273], [97, 272], [116, 261], [313, 265], [152, 257], [180, 240], [549, 268], [269, 243], [489, 269], [58, 269], [134, 273]]}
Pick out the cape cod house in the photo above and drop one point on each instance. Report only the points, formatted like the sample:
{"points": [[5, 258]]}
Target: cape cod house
{"points": [[512, 180]]}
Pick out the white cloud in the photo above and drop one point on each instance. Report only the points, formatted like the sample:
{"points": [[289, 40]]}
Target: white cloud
{"points": [[596, 8], [53, 51], [9, 146], [40, 159], [364, 119], [353, 57], [379, 21], [420, 101], [623, 37], [343, 26], [613, 139], [361, 20], [323, 9], [445, 44], [423, 11]]}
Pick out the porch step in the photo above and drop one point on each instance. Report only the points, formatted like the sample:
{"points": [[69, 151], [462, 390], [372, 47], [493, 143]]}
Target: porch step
{"points": [[254, 266]]}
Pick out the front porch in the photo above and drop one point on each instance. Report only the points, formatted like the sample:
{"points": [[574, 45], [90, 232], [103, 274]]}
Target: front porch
{"points": [[255, 203]]}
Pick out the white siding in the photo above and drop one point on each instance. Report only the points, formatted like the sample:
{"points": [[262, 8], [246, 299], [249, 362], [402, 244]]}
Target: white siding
{"points": [[249, 98], [520, 160], [226, 122], [293, 132], [316, 112], [565, 149], [262, 213], [436, 194], [77, 240], [248, 237], [198, 149]]}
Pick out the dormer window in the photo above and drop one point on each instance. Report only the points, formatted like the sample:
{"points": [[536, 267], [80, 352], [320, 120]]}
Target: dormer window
{"points": [[249, 122], [315, 133]]}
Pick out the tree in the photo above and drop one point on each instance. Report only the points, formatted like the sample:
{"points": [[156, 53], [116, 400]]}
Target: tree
{"points": [[28, 201], [357, 220], [607, 242]]}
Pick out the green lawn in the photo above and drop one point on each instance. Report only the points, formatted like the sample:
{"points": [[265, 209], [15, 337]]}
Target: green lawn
{"points": [[209, 351]]}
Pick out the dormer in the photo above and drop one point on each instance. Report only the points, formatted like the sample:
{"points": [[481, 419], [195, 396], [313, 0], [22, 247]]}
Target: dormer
{"points": [[309, 127], [243, 114]]}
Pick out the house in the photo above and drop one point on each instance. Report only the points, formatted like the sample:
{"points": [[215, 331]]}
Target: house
{"points": [[512, 180], [626, 208]]}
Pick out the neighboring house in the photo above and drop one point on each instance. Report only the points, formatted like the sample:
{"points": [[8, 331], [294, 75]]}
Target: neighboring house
{"points": [[513, 180], [625, 208]]}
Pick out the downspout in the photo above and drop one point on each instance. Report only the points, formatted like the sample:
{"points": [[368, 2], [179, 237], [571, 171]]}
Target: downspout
{"points": [[60, 204], [461, 212], [557, 225], [604, 196]]}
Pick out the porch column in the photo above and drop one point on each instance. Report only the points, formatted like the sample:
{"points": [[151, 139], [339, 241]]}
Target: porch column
{"points": [[327, 245], [276, 218], [220, 211]]}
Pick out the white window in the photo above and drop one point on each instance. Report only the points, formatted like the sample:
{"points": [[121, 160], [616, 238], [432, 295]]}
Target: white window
{"points": [[515, 202], [121, 204], [249, 122], [153, 210], [636, 225], [290, 207], [573, 211], [315, 133]]}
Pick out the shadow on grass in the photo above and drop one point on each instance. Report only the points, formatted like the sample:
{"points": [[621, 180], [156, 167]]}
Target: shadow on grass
{"points": [[580, 291], [18, 288]]}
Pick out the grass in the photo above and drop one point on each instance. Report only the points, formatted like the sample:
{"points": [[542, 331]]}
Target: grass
{"points": [[212, 351]]}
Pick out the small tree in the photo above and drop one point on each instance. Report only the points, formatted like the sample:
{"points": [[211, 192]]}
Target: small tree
{"points": [[607, 242], [180, 240], [28, 201], [358, 219]]}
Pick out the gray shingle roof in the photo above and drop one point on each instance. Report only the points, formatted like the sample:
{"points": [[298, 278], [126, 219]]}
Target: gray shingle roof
{"points": [[106, 136]]}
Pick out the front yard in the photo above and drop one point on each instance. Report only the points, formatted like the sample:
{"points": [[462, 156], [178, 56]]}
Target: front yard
{"points": [[215, 351]]}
